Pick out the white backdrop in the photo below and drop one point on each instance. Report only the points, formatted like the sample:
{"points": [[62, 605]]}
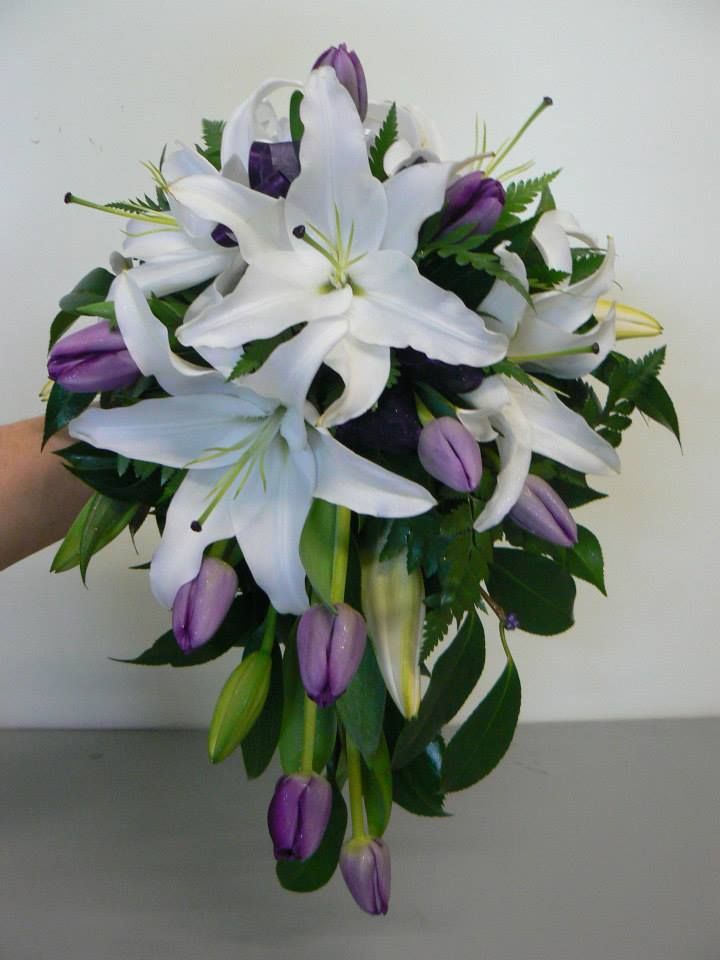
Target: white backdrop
{"points": [[90, 88]]}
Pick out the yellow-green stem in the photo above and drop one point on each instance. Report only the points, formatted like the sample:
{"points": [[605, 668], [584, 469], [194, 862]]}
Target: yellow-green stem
{"points": [[269, 633], [310, 723], [354, 769], [341, 549]]}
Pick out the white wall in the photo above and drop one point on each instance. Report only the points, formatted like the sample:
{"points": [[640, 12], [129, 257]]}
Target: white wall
{"points": [[91, 88]]}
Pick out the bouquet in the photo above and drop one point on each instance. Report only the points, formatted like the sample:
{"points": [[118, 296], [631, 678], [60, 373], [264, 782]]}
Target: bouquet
{"points": [[359, 389]]}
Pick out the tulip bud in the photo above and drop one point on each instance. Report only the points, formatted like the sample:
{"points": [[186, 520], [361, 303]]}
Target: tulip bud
{"points": [[473, 199], [449, 452], [239, 705], [365, 866], [201, 604], [298, 815], [330, 648], [540, 511], [92, 360], [350, 73], [393, 601]]}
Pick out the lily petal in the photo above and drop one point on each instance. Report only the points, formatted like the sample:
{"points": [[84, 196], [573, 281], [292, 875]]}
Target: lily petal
{"points": [[178, 558], [254, 119], [166, 275], [335, 179], [347, 479], [174, 431], [144, 241], [413, 195], [562, 434], [550, 236], [268, 519], [535, 337], [569, 307], [400, 308], [364, 368], [504, 307]]}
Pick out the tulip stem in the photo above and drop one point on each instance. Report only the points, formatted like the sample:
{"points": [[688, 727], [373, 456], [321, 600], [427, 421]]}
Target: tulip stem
{"points": [[269, 632], [355, 788], [309, 725], [341, 550], [495, 607]]}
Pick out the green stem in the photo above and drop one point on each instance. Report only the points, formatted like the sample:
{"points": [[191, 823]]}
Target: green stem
{"points": [[547, 102], [570, 352], [341, 551], [269, 633], [218, 549], [160, 219], [309, 725], [355, 788]]}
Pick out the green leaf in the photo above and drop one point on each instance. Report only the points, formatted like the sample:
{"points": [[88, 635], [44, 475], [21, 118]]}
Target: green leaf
{"points": [[293, 719], [386, 137], [534, 588], [362, 706], [378, 789], [655, 402], [104, 309], [316, 871], [92, 288], [105, 519], [482, 741], [62, 407], [297, 127], [316, 547], [62, 322], [259, 745], [585, 559], [519, 196], [417, 786], [509, 369], [255, 353], [212, 139], [453, 679]]}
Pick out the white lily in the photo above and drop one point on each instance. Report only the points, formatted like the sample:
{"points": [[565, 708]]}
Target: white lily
{"points": [[542, 336], [522, 421], [341, 262], [253, 465]]}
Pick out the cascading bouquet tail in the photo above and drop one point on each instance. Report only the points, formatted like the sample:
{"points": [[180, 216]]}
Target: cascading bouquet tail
{"points": [[359, 388]]}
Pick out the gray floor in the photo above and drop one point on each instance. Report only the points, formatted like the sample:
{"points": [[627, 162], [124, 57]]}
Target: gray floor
{"points": [[590, 841]]}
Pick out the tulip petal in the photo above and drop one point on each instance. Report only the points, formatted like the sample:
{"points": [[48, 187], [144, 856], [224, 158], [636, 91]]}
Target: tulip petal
{"points": [[400, 308], [268, 517], [413, 195], [569, 307], [347, 479], [562, 434], [335, 179], [178, 558], [364, 369]]}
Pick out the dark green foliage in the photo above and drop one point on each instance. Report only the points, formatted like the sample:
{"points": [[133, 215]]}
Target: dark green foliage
{"points": [[538, 590], [377, 789], [291, 731], [62, 407], [634, 383], [259, 745], [97, 524], [212, 140], [386, 137], [362, 706], [311, 874]]}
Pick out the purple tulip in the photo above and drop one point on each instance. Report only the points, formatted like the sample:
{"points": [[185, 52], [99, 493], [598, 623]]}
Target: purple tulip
{"points": [[272, 167], [445, 377], [298, 815], [540, 511], [201, 604], [350, 73], [473, 199], [330, 647], [92, 360], [450, 453], [365, 866]]}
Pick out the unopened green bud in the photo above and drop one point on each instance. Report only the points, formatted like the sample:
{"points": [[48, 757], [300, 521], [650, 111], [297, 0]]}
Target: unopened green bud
{"points": [[393, 602], [239, 705]]}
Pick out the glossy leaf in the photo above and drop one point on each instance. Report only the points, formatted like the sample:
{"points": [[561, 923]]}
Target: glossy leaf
{"points": [[453, 678], [534, 588], [315, 872], [293, 719], [97, 524], [362, 706], [92, 288], [259, 745], [418, 787], [378, 790], [60, 325], [316, 547], [62, 407], [482, 741]]}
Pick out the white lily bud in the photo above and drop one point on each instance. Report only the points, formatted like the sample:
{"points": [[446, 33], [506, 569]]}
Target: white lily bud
{"points": [[629, 322], [393, 602]]}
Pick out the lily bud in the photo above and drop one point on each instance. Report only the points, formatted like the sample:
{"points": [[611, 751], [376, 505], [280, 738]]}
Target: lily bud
{"points": [[201, 604], [298, 815], [239, 705], [350, 73], [473, 199], [450, 453], [92, 360], [540, 511], [393, 601], [330, 648], [365, 866]]}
